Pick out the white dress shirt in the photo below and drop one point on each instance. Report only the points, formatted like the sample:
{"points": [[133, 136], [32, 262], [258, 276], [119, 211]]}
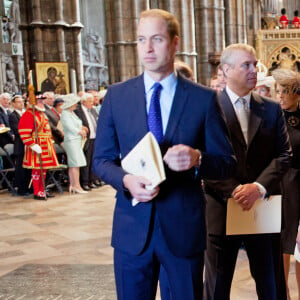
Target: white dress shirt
{"points": [[234, 98], [166, 95]]}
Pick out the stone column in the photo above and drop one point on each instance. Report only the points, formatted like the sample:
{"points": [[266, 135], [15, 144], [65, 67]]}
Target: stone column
{"points": [[122, 19], [271, 6], [59, 10], [60, 35], [109, 42], [230, 29], [77, 27], [241, 21], [209, 18], [38, 36], [36, 12], [188, 43], [219, 19], [138, 7]]}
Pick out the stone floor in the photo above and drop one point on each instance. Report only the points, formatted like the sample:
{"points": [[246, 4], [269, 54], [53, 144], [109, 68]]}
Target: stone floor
{"points": [[70, 236]]}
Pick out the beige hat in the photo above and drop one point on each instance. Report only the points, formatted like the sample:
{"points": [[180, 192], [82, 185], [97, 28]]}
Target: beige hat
{"points": [[70, 100], [268, 81], [102, 94]]}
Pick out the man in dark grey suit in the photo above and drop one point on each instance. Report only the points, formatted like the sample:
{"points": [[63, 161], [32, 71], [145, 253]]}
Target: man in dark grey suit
{"points": [[53, 118], [258, 134], [22, 175]]}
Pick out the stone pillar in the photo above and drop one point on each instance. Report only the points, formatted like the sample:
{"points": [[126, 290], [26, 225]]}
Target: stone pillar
{"points": [[187, 51], [59, 10], [256, 16], [138, 7], [60, 35], [230, 28], [110, 41], [271, 7], [240, 25], [209, 19], [38, 35], [36, 12], [77, 27], [219, 19], [122, 19]]}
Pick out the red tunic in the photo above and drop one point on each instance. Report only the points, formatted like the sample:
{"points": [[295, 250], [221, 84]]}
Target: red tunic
{"points": [[296, 22], [284, 21], [27, 133]]}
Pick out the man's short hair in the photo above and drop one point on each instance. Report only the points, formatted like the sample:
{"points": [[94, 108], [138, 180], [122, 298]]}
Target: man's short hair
{"points": [[228, 58], [5, 95], [49, 94], [86, 96], [172, 23]]}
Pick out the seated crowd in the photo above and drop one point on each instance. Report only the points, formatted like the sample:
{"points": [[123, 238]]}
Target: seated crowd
{"points": [[53, 123]]}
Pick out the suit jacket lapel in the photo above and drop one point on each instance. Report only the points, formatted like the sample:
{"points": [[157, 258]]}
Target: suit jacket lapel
{"points": [[179, 101], [137, 102], [232, 121], [256, 109]]}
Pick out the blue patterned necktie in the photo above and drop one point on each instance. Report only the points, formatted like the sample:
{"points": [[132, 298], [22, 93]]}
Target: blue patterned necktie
{"points": [[154, 116]]}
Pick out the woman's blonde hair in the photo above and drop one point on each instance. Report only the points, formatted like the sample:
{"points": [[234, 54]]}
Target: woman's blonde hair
{"points": [[289, 79]]}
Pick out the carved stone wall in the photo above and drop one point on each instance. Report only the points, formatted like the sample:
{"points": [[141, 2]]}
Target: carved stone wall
{"points": [[279, 48], [93, 44], [11, 55], [98, 37], [52, 33]]}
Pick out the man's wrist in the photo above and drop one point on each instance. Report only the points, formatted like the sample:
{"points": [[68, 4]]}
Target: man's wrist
{"points": [[199, 158], [261, 189]]}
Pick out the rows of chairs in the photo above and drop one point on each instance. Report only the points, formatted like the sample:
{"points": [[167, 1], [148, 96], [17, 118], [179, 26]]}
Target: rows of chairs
{"points": [[55, 177]]}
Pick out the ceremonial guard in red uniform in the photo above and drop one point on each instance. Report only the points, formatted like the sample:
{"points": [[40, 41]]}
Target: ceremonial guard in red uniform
{"points": [[40, 154]]}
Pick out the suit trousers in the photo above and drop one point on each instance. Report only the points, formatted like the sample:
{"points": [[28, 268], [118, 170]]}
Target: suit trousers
{"points": [[22, 175], [137, 275], [86, 174], [220, 259]]}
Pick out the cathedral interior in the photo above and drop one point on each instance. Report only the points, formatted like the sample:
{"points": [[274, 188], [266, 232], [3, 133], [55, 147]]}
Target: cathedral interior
{"points": [[60, 249], [92, 43]]}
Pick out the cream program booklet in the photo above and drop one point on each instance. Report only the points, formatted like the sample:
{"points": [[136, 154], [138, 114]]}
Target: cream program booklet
{"points": [[145, 160], [263, 217], [4, 129], [297, 253]]}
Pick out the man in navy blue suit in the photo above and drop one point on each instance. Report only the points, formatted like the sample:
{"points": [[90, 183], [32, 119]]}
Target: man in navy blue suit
{"points": [[167, 226]]}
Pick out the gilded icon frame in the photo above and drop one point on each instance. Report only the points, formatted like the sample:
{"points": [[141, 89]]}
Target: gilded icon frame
{"points": [[52, 76]]}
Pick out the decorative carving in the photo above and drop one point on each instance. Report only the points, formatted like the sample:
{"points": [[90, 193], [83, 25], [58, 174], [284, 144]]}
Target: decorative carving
{"points": [[270, 23], [14, 22], [95, 77], [94, 51], [279, 48], [11, 85]]}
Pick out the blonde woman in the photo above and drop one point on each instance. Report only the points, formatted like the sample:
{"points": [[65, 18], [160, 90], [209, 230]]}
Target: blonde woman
{"points": [[74, 134], [288, 95]]}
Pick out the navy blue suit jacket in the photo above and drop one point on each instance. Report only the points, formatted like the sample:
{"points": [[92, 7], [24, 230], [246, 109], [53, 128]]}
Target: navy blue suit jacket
{"points": [[195, 120]]}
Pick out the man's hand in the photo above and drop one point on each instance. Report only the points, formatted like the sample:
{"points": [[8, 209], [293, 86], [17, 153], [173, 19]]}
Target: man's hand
{"points": [[137, 186], [246, 195], [181, 157]]}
